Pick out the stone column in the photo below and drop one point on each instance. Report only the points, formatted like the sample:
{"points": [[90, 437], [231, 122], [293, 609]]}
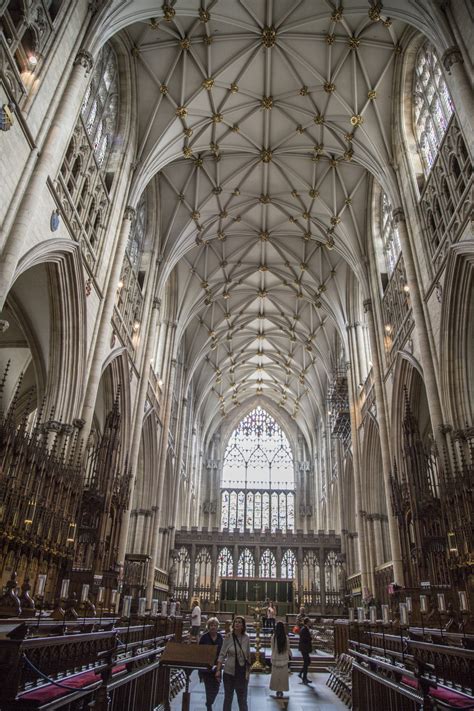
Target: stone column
{"points": [[103, 334], [356, 461], [372, 556], [137, 429], [460, 89], [384, 446], [161, 469], [235, 558], [322, 579], [48, 163], [213, 572], [378, 538], [429, 373], [299, 558], [278, 561], [192, 570]]}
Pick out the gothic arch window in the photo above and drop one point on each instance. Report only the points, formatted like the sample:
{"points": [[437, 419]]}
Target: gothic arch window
{"points": [[182, 575], [433, 106], [258, 488], [389, 234], [225, 563], [83, 183], [202, 574], [136, 240], [310, 571], [288, 565], [268, 566], [100, 105], [246, 564]]}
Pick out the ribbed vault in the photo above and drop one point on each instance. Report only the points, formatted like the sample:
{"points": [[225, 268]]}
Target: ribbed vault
{"points": [[263, 122]]}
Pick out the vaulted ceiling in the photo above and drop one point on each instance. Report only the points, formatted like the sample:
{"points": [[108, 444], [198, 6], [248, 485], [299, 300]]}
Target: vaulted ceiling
{"points": [[264, 121]]}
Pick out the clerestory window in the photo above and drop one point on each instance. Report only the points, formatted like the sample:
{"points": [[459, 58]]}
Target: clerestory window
{"points": [[433, 106]]}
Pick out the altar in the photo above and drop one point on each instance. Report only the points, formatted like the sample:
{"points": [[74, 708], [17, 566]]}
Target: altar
{"points": [[239, 595]]}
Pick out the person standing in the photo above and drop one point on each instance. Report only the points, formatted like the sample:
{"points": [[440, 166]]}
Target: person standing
{"points": [[211, 682], [235, 653], [195, 619], [271, 615], [281, 655], [306, 647]]}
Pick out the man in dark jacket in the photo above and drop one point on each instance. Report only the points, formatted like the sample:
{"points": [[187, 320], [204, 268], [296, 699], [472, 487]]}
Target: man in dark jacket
{"points": [[306, 647]]}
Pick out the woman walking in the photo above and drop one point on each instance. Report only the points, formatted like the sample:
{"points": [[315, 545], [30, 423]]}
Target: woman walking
{"points": [[235, 653], [281, 655], [211, 683]]}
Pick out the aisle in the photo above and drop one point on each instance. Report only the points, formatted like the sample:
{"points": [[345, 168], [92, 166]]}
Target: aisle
{"points": [[316, 697]]}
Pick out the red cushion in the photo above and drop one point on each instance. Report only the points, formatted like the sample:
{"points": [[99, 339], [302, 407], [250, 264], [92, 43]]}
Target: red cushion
{"points": [[452, 697], [49, 692], [447, 695]]}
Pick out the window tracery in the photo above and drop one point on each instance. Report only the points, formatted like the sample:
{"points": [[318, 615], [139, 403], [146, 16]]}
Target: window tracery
{"points": [[258, 476], [433, 106], [389, 234], [27, 29], [225, 563], [268, 566], [246, 564], [82, 186], [288, 564]]}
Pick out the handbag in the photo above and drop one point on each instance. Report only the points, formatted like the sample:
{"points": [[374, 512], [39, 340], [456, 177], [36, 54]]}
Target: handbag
{"points": [[246, 661]]}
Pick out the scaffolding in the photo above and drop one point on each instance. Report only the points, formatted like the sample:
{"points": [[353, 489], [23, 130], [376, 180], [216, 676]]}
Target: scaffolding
{"points": [[338, 406]]}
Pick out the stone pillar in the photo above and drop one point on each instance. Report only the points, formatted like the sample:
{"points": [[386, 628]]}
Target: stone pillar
{"points": [[137, 430], [278, 561], [322, 579], [378, 538], [429, 373], [161, 469], [356, 461], [372, 557], [213, 573], [460, 89], [299, 558], [395, 548], [103, 334], [192, 571], [47, 165]]}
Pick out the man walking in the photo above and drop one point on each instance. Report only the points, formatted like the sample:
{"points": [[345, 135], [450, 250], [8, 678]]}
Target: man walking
{"points": [[306, 647]]}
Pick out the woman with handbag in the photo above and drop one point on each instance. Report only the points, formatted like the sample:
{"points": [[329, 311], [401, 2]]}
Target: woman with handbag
{"points": [[211, 683], [235, 653], [281, 655]]}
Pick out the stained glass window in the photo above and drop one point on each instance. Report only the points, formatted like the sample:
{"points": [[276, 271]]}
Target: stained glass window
{"points": [[246, 564], [99, 108], [202, 572], [288, 565], [268, 566], [310, 571], [389, 234], [136, 241], [433, 106], [225, 563], [332, 570], [258, 477], [182, 576]]}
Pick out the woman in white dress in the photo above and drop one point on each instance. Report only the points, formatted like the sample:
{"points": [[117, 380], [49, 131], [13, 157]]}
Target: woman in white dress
{"points": [[281, 655]]}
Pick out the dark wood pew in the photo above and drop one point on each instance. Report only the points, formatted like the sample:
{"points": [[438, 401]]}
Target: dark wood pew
{"points": [[410, 674], [47, 672]]}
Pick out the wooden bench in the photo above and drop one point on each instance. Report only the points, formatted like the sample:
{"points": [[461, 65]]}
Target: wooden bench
{"points": [[419, 675], [49, 672]]}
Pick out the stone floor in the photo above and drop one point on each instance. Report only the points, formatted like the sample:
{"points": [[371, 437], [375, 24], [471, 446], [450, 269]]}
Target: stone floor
{"points": [[316, 697]]}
